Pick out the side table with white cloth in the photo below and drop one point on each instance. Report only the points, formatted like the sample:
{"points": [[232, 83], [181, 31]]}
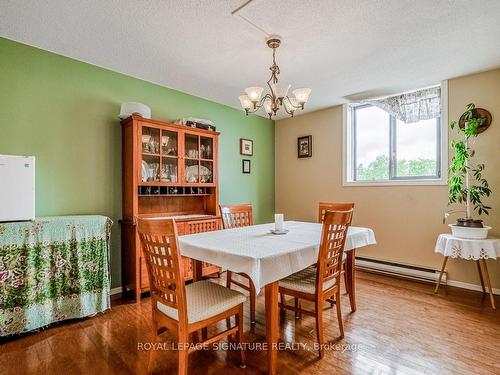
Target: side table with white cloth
{"points": [[469, 249]]}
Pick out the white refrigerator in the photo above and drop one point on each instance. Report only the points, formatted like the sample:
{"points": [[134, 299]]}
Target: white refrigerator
{"points": [[17, 188]]}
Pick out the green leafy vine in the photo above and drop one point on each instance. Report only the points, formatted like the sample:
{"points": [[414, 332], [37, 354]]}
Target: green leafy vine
{"points": [[466, 183]]}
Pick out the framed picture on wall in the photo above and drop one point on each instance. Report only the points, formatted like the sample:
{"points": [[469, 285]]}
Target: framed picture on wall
{"points": [[246, 147], [246, 166], [304, 146]]}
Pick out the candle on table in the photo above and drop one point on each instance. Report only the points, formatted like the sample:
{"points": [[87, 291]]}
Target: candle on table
{"points": [[278, 222]]}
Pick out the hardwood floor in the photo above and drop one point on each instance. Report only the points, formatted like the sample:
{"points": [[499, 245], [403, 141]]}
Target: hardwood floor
{"points": [[400, 327]]}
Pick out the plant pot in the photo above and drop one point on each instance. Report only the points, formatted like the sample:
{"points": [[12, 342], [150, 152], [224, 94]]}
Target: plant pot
{"points": [[470, 233]]}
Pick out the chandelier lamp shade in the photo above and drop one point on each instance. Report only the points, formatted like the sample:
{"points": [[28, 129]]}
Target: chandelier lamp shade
{"points": [[278, 97]]}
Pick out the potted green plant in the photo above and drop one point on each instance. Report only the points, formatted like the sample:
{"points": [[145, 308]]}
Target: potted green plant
{"points": [[466, 183]]}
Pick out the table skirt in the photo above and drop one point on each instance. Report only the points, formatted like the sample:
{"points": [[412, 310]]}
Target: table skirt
{"points": [[53, 269], [455, 247]]}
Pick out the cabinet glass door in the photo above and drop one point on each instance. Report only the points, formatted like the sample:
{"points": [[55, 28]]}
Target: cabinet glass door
{"points": [[198, 159], [206, 172], [150, 140], [206, 160], [191, 146], [150, 166], [206, 148], [191, 158], [170, 156], [192, 173]]}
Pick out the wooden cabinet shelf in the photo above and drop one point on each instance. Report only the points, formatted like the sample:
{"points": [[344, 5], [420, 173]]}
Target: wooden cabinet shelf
{"points": [[171, 195], [169, 170]]}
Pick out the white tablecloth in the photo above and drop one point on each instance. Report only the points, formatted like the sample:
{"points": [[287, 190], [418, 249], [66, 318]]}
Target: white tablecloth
{"points": [[263, 256], [455, 247]]}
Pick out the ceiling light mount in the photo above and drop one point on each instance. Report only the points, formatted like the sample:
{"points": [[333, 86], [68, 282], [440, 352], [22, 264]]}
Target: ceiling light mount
{"points": [[272, 102], [273, 41]]}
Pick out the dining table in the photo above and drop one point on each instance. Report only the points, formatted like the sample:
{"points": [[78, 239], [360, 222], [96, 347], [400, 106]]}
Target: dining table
{"points": [[267, 258]]}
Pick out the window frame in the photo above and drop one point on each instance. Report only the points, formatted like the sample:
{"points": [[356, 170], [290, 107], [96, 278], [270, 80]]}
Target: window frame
{"points": [[349, 149]]}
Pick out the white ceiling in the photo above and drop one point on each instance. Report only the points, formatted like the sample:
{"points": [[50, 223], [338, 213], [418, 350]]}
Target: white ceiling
{"points": [[342, 49]]}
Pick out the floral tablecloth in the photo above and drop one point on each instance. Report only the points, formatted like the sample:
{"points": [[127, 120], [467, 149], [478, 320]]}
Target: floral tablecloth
{"points": [[53, 269]]}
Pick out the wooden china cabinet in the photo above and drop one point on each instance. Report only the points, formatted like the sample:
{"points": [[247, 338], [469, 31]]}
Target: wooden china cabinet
{"points": [[169, 170]]}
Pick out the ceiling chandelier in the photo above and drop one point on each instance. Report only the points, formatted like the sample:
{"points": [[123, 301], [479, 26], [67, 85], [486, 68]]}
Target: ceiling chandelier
{"points": [[272, 102]]}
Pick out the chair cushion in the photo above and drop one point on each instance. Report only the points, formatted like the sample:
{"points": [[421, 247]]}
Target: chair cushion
{"points": [[205, 299], [304, 281]]}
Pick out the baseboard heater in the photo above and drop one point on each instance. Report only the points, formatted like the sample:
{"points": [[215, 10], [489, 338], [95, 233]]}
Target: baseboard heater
{"points": [[401, 270]]}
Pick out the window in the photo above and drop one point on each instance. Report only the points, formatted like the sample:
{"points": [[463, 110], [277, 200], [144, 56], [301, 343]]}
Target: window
{"points": [[382, 150]]}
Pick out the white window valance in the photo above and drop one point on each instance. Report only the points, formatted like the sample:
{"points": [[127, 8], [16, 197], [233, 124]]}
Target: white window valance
{"points": [[413, 106]]}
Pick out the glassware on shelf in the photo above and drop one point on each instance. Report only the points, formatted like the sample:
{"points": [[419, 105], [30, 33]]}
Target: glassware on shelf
{"points": [[192, 174], [191, 146], [150, 168], [153, 146], [192, 154], [150, 140], [164, 142], [172, 190], [169, 170], [206, 172], [206, 147], [145, 142], [169, 143]]}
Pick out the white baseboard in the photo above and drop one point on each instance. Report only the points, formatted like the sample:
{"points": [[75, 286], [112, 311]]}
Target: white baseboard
{"points": [[459, 284], [412, 272], [116, 290]]}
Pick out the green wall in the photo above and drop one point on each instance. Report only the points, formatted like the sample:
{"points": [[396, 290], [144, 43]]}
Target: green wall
{"points": [[65, 113]]}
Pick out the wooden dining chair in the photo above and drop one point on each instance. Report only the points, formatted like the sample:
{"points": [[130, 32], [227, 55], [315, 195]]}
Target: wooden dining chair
{"points": [[323, 208], [236, 216], [326, 206], [321, 282], [184, 308]]}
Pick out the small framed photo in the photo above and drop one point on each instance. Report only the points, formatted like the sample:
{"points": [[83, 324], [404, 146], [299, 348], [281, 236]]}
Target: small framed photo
{"points": [[246, 147], [304, 146], [246, 166]]}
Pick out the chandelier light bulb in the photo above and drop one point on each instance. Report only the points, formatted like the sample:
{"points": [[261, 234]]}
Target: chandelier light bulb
{"points": [[302, 94], [280, 89], [254, 93], [245, 102], [291, 104], [268, 107]]}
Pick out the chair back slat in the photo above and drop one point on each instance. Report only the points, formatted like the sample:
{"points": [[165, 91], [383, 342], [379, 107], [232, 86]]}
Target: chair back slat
{"points": [[333, 237], [236, 215], [325, 206], [163, 260]]}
